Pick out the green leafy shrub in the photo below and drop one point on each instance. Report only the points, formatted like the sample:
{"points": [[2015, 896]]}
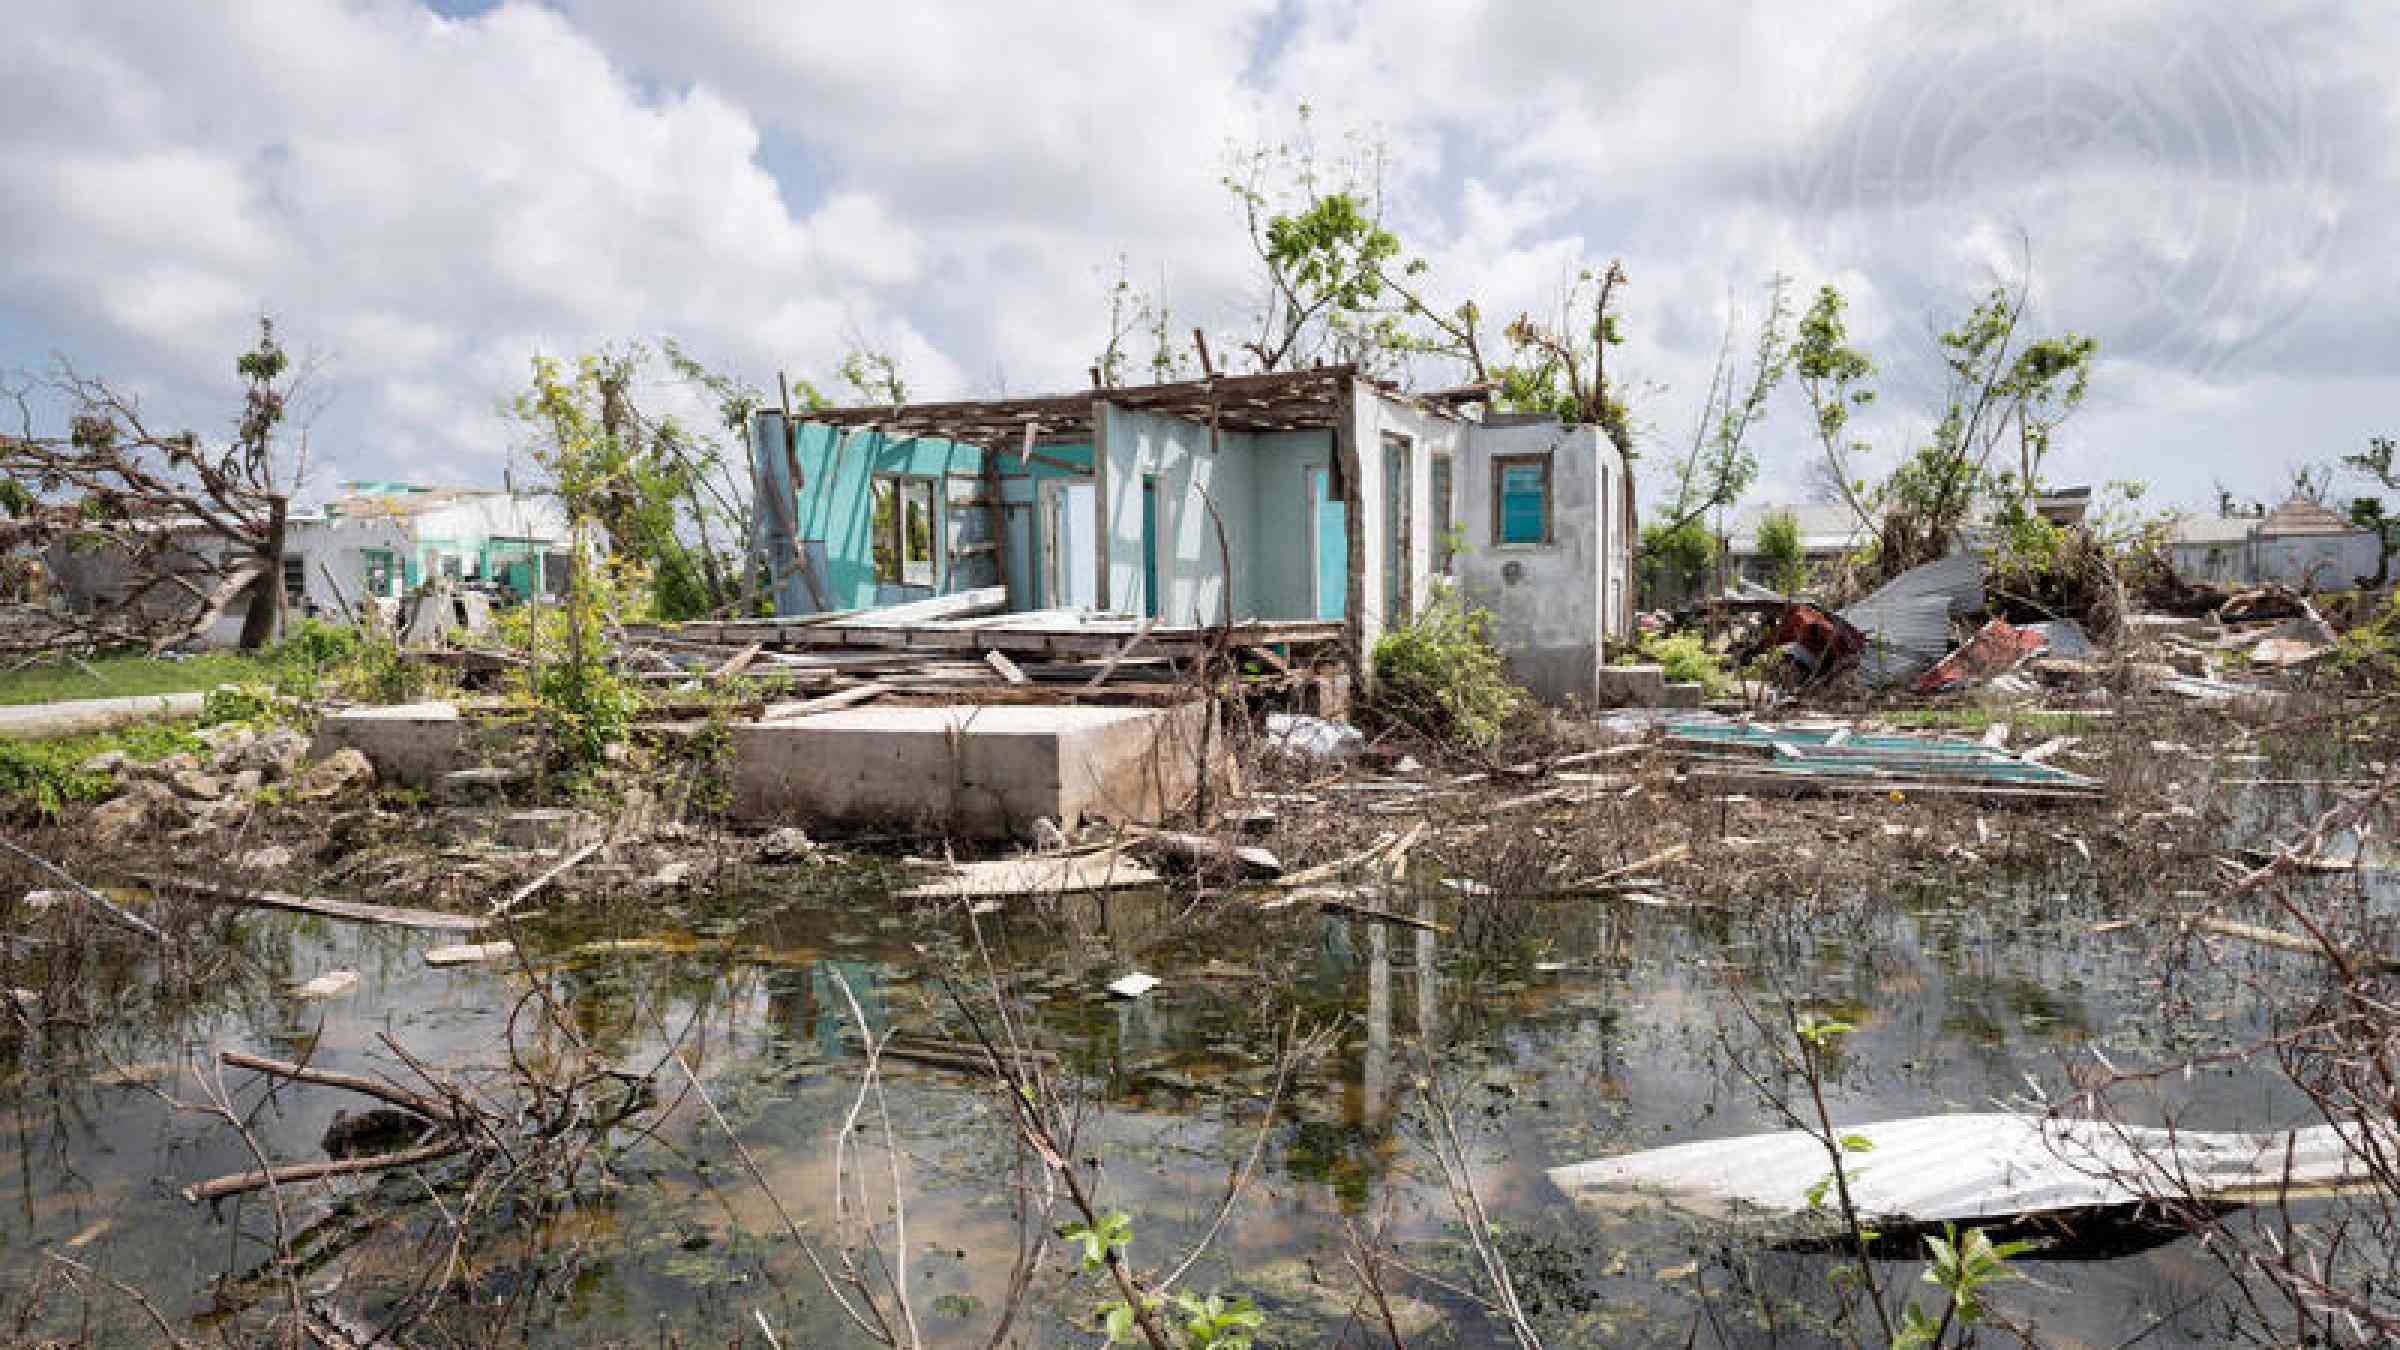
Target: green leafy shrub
{"points": [[243, 703], [317, 645], [1439, 674], [1686, 659], [1781, 549]]}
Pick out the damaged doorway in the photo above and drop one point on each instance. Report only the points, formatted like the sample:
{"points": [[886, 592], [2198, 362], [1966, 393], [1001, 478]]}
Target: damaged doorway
{"points": [[1328, 544], [1399, 540], [1070, 570]]}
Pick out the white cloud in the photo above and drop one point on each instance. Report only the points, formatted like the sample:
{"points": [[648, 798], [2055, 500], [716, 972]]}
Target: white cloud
{"points": [[431, 201]]}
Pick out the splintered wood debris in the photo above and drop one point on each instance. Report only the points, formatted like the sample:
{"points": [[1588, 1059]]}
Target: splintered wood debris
{"points": [[1008, 877]]}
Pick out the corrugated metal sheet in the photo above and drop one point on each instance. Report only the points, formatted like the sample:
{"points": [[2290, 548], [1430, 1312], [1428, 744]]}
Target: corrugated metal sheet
{"points": [[1830, 758], [1907, 621]]}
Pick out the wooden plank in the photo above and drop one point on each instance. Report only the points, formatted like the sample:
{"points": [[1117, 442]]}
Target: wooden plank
{"points": [[738, 662], [1974, 1167], [1336, 904], [1006, 668], [1389, 848], [471, 953], [352, 910], [1659, 859], [962, 604], [785, 712], [1765, 784], [2043, 753], [1014, 877], [1124, 650]]}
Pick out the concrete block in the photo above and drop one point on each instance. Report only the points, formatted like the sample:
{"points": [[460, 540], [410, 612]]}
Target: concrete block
{"points": [[1630, 687], [983, 772], [1555, 675], [412, 744], [1683, 694], [485, 784], [549, 828]]}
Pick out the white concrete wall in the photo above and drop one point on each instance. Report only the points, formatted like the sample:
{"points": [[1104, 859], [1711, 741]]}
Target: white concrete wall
{"points": [[2318, 561], [1556, 606], [471, 520], [1428, 434], [340, 545]]}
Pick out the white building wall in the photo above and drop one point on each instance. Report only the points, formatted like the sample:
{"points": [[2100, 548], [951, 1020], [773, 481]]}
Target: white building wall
{"points": [[2302, 561], [1427, 434], [338, 545], [1555, 606]]}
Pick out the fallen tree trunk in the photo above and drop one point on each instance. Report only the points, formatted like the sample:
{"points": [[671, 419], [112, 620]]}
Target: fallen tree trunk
{"points": [[242, 1182]]}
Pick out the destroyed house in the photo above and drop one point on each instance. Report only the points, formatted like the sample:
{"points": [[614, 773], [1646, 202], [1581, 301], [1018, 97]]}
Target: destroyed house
{"points": [[506, 539], [1311, 495]]}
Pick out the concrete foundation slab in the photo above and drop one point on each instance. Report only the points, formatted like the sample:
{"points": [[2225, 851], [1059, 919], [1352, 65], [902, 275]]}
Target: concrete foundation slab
{"points": [[985, 772], [412, 744]]}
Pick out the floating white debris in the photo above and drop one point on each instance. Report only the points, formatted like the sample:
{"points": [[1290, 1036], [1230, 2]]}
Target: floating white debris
{"points": [[1134, 985], [469, 953], [331, 984]]}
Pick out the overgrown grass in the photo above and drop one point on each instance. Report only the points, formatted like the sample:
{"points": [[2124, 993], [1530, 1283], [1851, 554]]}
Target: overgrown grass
{"points": [[46, 776], [127, 675]]}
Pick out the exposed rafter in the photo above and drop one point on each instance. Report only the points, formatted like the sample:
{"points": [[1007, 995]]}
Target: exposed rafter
{"points": [[1296, 400]]}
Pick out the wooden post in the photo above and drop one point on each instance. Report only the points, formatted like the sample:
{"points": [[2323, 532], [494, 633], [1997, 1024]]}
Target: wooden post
{"points": [[997, 512], [1345, 466], [1100, 521], [1200, 340], [788, 503]]}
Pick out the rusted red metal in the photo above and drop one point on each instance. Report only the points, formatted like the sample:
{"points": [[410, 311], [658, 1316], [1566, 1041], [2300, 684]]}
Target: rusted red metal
{"points": [[1996, 649]]}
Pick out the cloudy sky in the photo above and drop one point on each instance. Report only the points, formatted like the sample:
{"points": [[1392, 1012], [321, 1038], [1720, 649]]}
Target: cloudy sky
{"points": [[425, 195]]}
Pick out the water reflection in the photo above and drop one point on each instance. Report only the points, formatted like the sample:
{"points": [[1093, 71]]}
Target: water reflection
{"points": [[1581, 1028]]}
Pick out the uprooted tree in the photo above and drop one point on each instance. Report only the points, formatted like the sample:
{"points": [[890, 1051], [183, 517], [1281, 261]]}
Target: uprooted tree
{"points": [[168, 529]]}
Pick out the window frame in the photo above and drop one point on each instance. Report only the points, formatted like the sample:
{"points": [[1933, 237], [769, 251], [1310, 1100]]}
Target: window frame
{"points": [[294, 563], [1501, 464], [1441, 483], [896, 567]]}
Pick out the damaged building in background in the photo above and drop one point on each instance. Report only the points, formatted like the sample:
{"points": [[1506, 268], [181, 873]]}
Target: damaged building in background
{"points": [[1306, 495]]}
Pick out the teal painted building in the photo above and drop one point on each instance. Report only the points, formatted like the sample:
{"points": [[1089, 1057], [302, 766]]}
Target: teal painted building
{"points": [[1301, 495]]}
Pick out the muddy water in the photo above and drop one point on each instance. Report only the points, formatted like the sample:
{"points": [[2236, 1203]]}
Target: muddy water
{"points": [[1566, 1030]]}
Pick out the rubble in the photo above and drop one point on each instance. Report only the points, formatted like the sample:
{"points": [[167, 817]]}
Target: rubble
{"points": [[344, 771]]}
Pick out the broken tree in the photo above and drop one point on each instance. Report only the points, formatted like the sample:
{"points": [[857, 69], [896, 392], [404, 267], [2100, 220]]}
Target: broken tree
{"points": [[166, 530]]}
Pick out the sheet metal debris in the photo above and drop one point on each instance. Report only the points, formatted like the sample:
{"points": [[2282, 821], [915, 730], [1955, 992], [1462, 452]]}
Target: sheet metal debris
{"points": [[1723, 755], [1996, 649], [1906, 623]]}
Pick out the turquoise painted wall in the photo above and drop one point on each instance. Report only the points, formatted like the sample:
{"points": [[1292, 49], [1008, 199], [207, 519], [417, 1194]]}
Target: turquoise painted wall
{"points": [[1190, 574], [1279, 555], [835, 512]]}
